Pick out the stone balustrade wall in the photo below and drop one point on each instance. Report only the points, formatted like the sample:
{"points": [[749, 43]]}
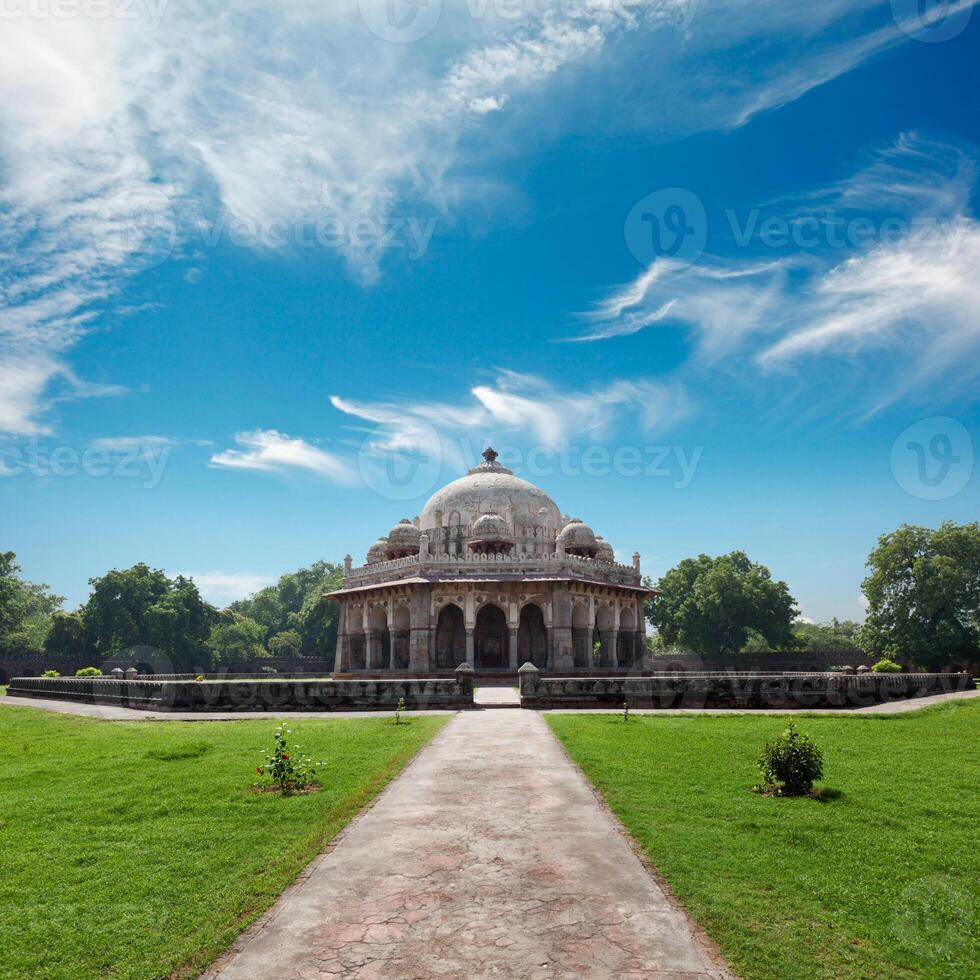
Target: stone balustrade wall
{"points": [[731, 689], [224, 694]]}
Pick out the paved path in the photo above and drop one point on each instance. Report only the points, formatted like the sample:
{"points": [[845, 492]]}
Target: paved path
{"points": [[110, 712], [490, 856], [497, 696]]}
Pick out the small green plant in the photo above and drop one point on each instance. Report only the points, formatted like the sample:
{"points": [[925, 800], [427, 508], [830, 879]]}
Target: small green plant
{"points": [[596, 652], [199, 678], [50, 673], [790, 763], [289, 771], [886, 666], [398, 711], [88, 672], [626, 711]]}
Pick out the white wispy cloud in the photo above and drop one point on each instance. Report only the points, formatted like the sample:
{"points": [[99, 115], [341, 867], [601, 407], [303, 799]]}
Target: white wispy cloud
{"points": [[271, 451], [523, 406], [905, 292], [123, 140], [223, 588]]}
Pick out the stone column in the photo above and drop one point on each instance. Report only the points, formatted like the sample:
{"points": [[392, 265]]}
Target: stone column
{"points": [[513, 649], [371, 644], [609, 639], [470, 656], [341, 653], [420, 630], [561, 654]]}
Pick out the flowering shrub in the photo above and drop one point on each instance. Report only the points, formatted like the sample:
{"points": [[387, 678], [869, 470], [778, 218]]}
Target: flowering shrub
{"points": [[50, 673], [88, 672], [792, 760], [288, 770], [886, 666]]}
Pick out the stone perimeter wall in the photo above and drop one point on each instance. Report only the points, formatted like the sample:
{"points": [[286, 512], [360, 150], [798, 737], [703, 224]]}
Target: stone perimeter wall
{"points": [[253, 695], [732, 690]]}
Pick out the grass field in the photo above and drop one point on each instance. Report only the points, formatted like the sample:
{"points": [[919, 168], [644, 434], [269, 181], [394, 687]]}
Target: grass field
{"points": [[138, 849], [882, 881]]}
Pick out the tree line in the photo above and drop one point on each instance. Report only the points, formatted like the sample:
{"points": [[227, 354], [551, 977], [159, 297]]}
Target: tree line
{"points": [[922, 593], [143, 607]]}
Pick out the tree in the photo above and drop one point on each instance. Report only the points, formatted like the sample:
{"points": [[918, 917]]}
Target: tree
{"points": [[26, 608], [710, 605], [234, 645], [66, 636], [295, 603], [285, 644], [140, 606], [836, 636], [924, 595]]}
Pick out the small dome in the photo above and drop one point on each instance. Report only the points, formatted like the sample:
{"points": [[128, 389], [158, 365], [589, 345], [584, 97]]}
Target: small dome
{"points": [[377, 551], [578, 538], [490, 533], [604, 550], [403, 539]]}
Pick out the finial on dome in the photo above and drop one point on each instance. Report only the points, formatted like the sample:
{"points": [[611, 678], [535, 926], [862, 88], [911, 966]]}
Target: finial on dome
{"points": [[490, 454]]}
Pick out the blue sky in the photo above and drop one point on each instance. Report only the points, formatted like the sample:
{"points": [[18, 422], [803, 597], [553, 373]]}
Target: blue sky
{"points": [[257, 260]]}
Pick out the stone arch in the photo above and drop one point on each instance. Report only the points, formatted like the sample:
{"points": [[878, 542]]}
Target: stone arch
{"points": [[378, 638], [356, 640], [450, 637], [401, 621], [605, 634], [532, 636], [491, 637], [626, 641]]}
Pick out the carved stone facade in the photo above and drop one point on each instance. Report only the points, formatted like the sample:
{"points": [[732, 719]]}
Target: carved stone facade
{"points": [[491, 574]]}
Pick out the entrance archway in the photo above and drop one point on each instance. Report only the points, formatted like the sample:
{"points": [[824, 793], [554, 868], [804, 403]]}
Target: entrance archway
{"points": [[450, 638], [490, 638], [532, 637]]}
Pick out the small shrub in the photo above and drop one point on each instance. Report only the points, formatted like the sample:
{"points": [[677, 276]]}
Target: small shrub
{"points": [[626, 711], [50, 673], [791, 762], [398, 711], [886, 666], [88, 672], [288, 770], [199, 678], [597, 652]]}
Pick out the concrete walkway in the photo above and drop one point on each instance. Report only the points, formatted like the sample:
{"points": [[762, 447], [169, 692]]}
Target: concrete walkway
{"points": [[491, 696], [490, 856]]}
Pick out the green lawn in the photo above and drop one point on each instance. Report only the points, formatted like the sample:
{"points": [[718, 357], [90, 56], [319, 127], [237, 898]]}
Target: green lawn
{"points": [[882, 881], [138, 849]]}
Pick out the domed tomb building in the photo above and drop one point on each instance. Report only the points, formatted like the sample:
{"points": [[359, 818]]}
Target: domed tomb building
{"points": [[493, 575]]}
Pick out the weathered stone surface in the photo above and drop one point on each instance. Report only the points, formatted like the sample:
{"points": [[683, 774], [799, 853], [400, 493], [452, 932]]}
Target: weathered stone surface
{"points": [[489, 857]]}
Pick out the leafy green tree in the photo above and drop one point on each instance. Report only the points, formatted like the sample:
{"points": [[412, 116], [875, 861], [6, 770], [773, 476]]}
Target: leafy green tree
{"points": [[285, 644], [26, 608], [140, 606], [234, 645], [66, 635], [843, 636], [710, 606], [296, 604], [924, 595]]}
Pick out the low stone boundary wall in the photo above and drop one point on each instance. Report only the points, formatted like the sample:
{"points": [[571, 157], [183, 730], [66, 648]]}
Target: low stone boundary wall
{"points": [[732, 690], [151, 694]]}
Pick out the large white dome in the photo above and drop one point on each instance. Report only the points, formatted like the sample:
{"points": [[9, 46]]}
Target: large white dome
{"points": [[492, 488]]}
